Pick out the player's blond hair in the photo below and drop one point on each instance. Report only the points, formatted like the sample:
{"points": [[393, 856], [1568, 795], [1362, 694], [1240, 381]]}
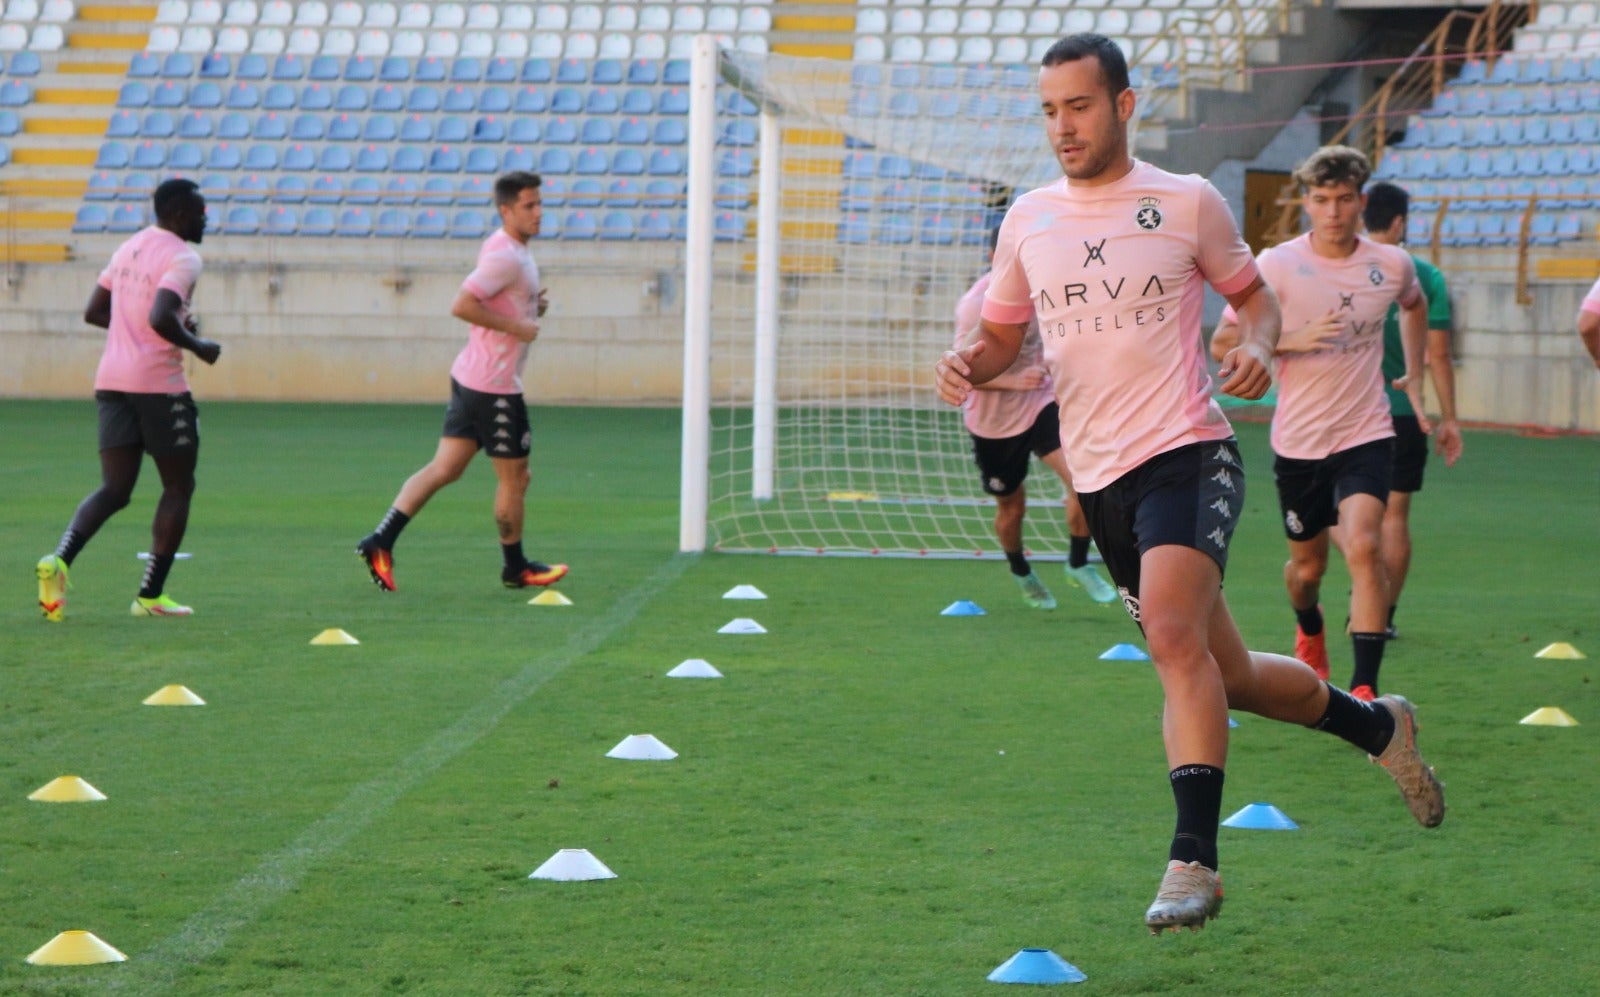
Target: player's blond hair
{"points": [[1334, 164]]}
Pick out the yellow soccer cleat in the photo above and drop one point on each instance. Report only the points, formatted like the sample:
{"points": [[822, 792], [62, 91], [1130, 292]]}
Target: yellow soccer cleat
{"points": [[52, 572], [161, 605]]}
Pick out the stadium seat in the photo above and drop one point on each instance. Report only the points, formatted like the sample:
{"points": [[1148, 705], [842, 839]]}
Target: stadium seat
{"points": [[242, 219], [428, 223], [524, 131], [468, 224], [665, 162], [279, 220], [195, 125], [597, 131], [334, 159], [270, 127], [529, 100], [360, 69], [735, 163], [91, 218], [400, 190], [157, 124], [482, 160], [136, 187], [408, 159], [423, 99], [177, 66], [344, 127], [315, 97], [354, 222], [300, 157], [126, 218], [445, 159], [561, 131], [628, 163], [306, 128], [391, 223], [147, 155], [325, 190], [451, 128], [555, 161], [591, 161], [318, 222], [728, 226], [580, 224], [260, 158], [518, 157]]}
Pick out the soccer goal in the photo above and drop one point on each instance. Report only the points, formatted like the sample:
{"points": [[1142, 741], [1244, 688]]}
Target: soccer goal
{"points": [[837, 212]]}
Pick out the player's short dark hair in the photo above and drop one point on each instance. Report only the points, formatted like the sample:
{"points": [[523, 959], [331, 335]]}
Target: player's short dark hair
{"points": [[175, 196], [1385, 202], [509, 186], [1333, 164], [1113, 63]]}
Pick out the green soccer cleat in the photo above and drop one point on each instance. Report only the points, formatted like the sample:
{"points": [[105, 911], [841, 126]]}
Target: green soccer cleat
{"points": [[1088, 578], [52, 572], [1033, 591], [161, 605]]}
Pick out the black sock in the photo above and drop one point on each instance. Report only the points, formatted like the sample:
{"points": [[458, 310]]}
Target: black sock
{"points": [[1391, 616], [388, 530], [1197, 790], [1365, 725], [1369, 658], [1078, 554], [1310, 620], [1019, 563], [514, 558], [71, 543], [155, 575]]}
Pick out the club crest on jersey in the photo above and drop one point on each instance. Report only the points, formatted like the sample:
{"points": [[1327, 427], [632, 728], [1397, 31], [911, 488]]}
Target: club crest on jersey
{"points": [[1148, 217], [1374, 275]]}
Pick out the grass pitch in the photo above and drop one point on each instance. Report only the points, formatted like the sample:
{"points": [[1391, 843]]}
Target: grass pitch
{"points": [[875, 800]]}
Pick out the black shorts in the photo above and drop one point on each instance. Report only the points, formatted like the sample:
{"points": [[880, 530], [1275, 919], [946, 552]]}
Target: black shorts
{"points": [[1309, 491], [1191, 497], [1410, 454], [162, 425], [1003, 463], [499, 423]]}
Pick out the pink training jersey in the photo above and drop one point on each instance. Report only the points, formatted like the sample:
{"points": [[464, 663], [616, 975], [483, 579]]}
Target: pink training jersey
{"points": [[136, 357], [999, 415], [1114, 273], [1591, 301], [506, 280], [1333, 399]]}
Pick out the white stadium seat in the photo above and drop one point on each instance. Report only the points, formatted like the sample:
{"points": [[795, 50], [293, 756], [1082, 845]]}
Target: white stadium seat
{"points": [[941, 48], [976, 22], [871, 21], [516, 17], [551, 17], [483, 17], [1012, 49], [302, 41], [406, 44], [616, 46], [942, 22], [581, 45], [511, 45], [196, 40], [376, 15], [22, 10], [244, 13], [205, 12], [449, 16], [545, 45], [373, 43], [585, 17], [266, 41], [907, 48], [477, 45], [172, 12], [722, 18], [442, 45], [57, 11], [688, 17], [650, 45], [311, 14], [975, 50], [415, 15], [276, 13], [868, 48], [14, 38], [622, 17], [655, 17], [47, 38], [338, 41]]}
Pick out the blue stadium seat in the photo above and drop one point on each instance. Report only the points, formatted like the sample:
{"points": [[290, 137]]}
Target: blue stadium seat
{"points": [[530, 100], [864, 104], [177, 66], [623, 193], [126, 218], [894, 167], [437, 190], [654, 226], [638, 102], [895, 230], [738, 133], [400, 190], [242, 220], [184, 156], [168, 93], [554, 190], [145, 65], [561, 131], [315, 97], [468, 224], [550, 225], [489, 129], [466, 69], [632, 131], [429, 223], [524, 131], [289, 189], [592, 161], [458, 99], [91, 218], [148, 155], [665, 163], [494, 100], [288, 67], [555, 161], [350, 98], [307, 128], [579, 225], [26, 63], [112, 156], [394, 69], [279, 221], [157, 124], [270, 127], [224, 156], [102, 187], [617, 225], [335, 159], [251, 187], [1580, 161], [675, 72], [482, 160], [735, 163], [474, 190], [243, 96], [11, 124], [344, 127], [905, 104], [602, 100], [1541, 229], [392, 223], [360, 69], [728, 227], [388, 97], [670, 131], [518, 158], [215, 66], [326, 190], [566, 100], [628, 162], [324, 68], [299, 157], [260, 158], [452, 128], [733, 194], [587, 192], [644, 72], [137, 187], [572, 71], [597, 131], [379, 128], [673, 101], [195, 124], [317, 222], [606, 72], [445, 159], [252, 66], [536, 70], [430, 70], [134, 93], [416, 128], [422, 98], [278, 97], [372, 159], [500, 71], [408, 159], [937, 229], [205, 95], [354, 222]]}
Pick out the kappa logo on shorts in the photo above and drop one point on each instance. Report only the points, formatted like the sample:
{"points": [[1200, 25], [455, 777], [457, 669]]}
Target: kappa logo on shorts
{"points": [[1218, 537], [1292, 522], [182, 441], [503, 419], [1223, 478], [527, 438], [501, 434], [177, 407], [1222, 506], [180, 424], [1225, 455], [501, 403], [501, 448]]}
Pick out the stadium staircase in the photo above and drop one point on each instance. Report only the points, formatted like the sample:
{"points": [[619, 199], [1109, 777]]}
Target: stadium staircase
{"points": [[61, 129]]}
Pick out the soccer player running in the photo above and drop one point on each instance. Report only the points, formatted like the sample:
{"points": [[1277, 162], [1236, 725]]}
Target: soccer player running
{"points": [[1589, 322], [1332, 435], [1111, 259], [502, 301], [1386, 213], [1009, 417], [142, 301]]}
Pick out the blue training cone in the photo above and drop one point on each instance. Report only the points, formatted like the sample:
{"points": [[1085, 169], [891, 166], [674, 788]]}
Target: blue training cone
{"points": [[963, 607], [1124, 652], [1261, 817], [1232, 722], [1037, 966]]}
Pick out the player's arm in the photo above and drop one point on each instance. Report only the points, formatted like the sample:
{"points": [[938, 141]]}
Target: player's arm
{"points": [[1441, 368], [98, 310], [1589, 332], [1309, 338], [1413, 343], [170, 322], [993, 349], [469, 309], [1246, 367], [1027, 379]]}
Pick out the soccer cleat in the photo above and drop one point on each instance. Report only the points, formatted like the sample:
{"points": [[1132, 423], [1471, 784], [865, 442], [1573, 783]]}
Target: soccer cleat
{"points": [[1390, 633], [380, 562], [534, 573], [1088, 579], [161, 605], [1190, 895], [1312, 650], [1363, 693], [1033, 591], [1424, 795], [52, 572]]}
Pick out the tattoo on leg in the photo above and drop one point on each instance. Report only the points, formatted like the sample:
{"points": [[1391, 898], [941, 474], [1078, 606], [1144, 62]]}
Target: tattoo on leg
{"points": [[505, 526]]}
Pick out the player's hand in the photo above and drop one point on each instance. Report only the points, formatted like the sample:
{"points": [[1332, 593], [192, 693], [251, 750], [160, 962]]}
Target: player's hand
{"points": [[544, 301], [1411, 384], [191, 323], [1245, 372], [951, 372], [1315, 335], [1447, 441], [207, 350], [526, 329], [1031, 378]]}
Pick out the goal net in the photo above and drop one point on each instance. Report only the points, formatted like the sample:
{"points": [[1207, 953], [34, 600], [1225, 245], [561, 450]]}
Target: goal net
{"points": [[853, 208]]}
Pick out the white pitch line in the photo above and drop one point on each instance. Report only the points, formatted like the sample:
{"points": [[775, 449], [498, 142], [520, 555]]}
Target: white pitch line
{"points": [[208, 931]]}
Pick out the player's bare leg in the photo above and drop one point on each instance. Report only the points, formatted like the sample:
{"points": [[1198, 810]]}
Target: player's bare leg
{"points": [[449, 462], [1009, 511], [1302, 576], [1361, 517], [1395, 545], [510, 509], [1080, 573]]}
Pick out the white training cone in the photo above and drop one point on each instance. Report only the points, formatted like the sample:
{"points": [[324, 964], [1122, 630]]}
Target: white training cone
{"points": [[744, 592], [642, 748], [742, 625], [571, 865], [181, 555], [75, 948], [695, 668]]}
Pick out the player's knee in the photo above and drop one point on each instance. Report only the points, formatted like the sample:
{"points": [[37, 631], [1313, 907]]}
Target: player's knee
{"points": [[1173, 642], [1361, 548], [116, 498]]}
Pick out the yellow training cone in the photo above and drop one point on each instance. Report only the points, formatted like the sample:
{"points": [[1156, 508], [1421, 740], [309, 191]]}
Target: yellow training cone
{"points": [[66, 789], [334, 635], [75, 948], [1549, 716], [549, 597], [1560, 649], [173, 695]]}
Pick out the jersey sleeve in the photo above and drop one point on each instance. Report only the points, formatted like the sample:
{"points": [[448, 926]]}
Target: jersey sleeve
{"points": [[1591, 301], [1225, 261], [1440, 315], [493, 274], [182, 271], [1410, 289], [1008, 300]]}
